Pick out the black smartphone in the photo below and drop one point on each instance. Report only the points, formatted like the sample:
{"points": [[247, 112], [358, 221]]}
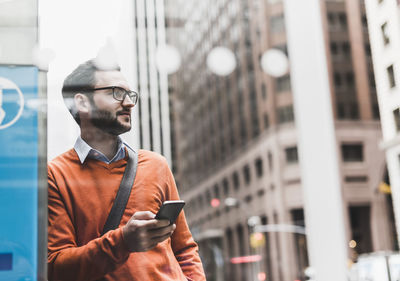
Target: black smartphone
{"points": [[170, 210]]}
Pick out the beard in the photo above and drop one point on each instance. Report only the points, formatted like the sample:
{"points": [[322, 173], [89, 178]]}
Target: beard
{"points": [[107, 122]]}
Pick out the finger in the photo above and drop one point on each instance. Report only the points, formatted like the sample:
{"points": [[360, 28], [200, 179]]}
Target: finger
{"points": [[162, 238], [161, 231], [143, 215]]}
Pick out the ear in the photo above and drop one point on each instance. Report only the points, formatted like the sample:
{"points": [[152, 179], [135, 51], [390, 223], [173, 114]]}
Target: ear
{"points": [[82, 103]]}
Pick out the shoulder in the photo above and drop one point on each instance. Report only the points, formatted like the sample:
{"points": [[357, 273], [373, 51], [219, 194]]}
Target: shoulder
{"points": [[151, 157], [63, 160]]}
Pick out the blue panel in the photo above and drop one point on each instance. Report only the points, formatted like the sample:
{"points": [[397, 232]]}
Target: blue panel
{"points": [[18, 172]]}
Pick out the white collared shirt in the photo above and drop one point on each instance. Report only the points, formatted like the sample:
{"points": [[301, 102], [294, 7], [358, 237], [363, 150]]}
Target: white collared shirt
{"points": [[86, 151]]}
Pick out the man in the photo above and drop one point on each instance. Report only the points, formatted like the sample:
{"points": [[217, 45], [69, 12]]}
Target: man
{"points": [[83, 183]]}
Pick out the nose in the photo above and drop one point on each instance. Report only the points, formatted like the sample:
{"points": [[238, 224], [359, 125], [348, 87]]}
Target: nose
{"points": [[128, 102]]}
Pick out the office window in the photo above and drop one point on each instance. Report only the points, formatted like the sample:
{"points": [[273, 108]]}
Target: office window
{"points": [[235, 178], [352, 152], [216, 191], [264, 91], [343, 20], [385, 34], [225, 186], [246, 174], [259, 167], [396, 115], [277, 24], [337, 78], [270, 161], [266, 121], [291, 155], [390, 73], [282, 84], [350, 79], [285, 114], [334, 48]]}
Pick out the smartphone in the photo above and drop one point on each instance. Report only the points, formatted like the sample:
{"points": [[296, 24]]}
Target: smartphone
{"points": [[170, 210]]}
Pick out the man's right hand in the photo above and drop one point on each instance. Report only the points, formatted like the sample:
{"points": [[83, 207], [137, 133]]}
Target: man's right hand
{"points": [[142, 232]]}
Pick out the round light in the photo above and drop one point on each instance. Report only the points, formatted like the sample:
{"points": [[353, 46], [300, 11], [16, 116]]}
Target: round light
{"points": [[274, 62], [221, 61], [106, 57], [215, 202], [42, 57], [262, 276], [168, 59], [352, 244]]}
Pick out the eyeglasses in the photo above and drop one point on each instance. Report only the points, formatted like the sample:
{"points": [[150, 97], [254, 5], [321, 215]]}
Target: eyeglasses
{"points": [[120, 93]]}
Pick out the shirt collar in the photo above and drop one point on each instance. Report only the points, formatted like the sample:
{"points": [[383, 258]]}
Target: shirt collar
{"points": [[84, 151]]}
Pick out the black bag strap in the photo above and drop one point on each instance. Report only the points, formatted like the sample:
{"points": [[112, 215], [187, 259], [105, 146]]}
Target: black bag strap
{"points": [[123, 194]]}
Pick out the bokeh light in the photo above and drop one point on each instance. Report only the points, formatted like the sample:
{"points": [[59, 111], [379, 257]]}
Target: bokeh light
{"points": [[274, 62], [42, 57], [221, 61], [168, 59]]}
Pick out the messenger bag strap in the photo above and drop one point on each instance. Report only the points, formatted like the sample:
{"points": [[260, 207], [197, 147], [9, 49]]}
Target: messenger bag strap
{"points": [[123, 194]]}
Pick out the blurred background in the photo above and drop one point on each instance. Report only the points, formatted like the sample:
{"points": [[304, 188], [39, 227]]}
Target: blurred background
{"points": [[279, 118]]}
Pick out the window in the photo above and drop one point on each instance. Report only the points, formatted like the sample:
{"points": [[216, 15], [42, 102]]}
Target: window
{"points": [[266, 121], [270, 161], [291, 155], [385, 34], [259, 167], [264, 91], [285, 114], [282, 84], [338, 79], [235, 178], [350, 79], [225, 186], [346, 49], [354, 179], [352, 152], [396, 115], [343, 20], [390, 72], [334, 48], [277, 24], [216, 191], [246, 174]]}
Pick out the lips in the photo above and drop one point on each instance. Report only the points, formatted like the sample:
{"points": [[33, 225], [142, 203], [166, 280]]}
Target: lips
{"points": [[124, 113]]}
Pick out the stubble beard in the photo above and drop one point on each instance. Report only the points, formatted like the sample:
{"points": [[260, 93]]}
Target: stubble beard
{"points": [[107, 122]]}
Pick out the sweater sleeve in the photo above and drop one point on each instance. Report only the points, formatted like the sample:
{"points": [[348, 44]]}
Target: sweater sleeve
{"points": [[183, 244], [67, 261]]}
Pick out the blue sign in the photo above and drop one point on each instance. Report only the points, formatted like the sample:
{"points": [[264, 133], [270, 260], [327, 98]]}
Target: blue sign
{"points": [[19, 158]]}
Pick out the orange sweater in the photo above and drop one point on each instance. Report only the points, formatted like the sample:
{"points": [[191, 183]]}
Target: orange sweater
{"points": [[80, 199]]}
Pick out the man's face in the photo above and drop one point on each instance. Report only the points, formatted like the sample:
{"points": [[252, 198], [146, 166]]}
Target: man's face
{"points": [[108, 114]]}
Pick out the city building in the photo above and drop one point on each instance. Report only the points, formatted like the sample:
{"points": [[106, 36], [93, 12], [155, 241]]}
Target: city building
{"points": [[234, 142], [384, 29]]}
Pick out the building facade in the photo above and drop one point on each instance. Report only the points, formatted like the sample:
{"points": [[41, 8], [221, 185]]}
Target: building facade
{"points": [[234, 137], [384, 32], [141, 33]]}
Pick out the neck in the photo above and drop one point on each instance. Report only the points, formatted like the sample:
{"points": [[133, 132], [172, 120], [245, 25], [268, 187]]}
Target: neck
{"points": [[104, 142]]}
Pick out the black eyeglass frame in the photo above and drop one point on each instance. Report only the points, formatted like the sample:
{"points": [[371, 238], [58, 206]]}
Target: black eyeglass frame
{"points": [[134, 96]]}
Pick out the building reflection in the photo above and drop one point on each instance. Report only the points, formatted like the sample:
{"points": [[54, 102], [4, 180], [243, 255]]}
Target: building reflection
{"points": [[235, 136]]}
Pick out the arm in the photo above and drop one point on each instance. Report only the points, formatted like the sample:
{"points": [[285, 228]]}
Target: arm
{"points": [[183, 244], [67, 261]]}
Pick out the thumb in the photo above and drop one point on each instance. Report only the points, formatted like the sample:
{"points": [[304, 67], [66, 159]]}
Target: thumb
{"points": [[143, 215]]}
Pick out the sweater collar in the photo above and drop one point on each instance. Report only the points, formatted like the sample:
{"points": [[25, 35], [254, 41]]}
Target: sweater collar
{"points": [[84, 151]]}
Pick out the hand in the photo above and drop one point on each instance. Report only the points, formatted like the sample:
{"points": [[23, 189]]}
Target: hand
{"points": [[142, 232]]}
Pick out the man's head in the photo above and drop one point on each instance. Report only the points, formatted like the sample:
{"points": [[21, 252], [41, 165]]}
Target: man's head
{"points": [[99, 96]]}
